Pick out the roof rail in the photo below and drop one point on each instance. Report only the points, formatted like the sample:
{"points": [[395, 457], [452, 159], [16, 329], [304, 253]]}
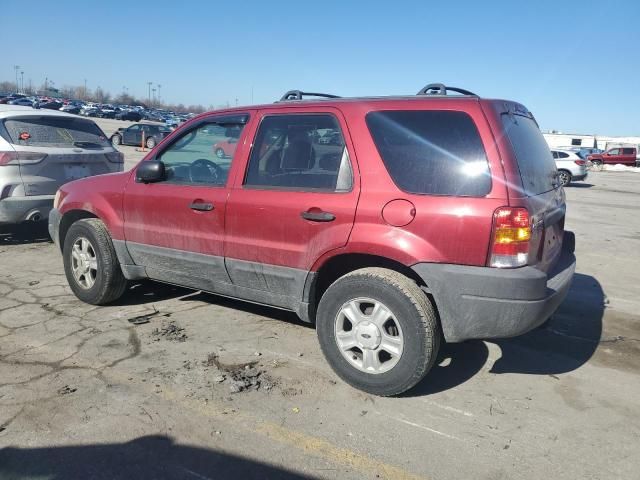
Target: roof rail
{"points": [[298, 94], [442, 89]]}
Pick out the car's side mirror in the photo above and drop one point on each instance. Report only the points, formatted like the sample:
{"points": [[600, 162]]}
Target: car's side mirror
{"points": [[150, 172]]}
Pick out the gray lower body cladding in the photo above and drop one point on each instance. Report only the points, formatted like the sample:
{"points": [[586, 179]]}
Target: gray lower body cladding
{"points": [[273, 285], [482, 302]]}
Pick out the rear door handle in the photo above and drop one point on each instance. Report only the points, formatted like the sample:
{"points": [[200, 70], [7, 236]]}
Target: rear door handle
{"points": [[201, 206], [318, 216]]}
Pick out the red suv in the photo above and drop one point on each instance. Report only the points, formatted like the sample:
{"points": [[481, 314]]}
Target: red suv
{"points": [[622, 155], [432, 217]]}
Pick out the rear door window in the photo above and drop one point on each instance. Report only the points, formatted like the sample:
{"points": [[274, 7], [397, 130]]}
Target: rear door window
{"points": [[535, 162], [431, 152], [53, 131], [303, 152]]}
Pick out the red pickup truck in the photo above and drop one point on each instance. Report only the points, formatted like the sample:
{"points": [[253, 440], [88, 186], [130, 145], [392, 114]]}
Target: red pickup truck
{"points": [[623, 155]]}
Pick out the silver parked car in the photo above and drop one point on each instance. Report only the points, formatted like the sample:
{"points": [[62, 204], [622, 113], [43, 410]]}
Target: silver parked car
{"points": [[571, 167], [40, 150]]}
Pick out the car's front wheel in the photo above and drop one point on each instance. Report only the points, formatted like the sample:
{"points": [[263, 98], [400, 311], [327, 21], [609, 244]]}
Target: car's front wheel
{"points": [[91, 264], [219, 153], [116, 139], [378, 331], [151, 142]]}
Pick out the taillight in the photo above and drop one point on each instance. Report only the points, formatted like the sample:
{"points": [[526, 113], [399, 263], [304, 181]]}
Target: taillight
{"points": [[17, 158], [8, 158], [580, 162], [511, 238]]}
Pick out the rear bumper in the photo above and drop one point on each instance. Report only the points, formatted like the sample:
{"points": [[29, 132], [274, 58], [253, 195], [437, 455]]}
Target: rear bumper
{"points": [[577, 178], [20, 209], [482, 302]]}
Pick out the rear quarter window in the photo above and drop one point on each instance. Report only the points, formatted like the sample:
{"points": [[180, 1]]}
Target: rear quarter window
{"points": [[431, 152], [535, 162], [51, 131]]}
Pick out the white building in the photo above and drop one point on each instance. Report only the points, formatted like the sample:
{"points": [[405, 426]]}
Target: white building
{"points": [[557, 139]]}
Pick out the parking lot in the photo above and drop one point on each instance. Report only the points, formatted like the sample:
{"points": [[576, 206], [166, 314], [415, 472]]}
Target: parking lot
{"points": [[147, 388]]}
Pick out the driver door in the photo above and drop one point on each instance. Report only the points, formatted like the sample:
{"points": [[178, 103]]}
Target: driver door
{"points": [[175, 228], [132, 135]]}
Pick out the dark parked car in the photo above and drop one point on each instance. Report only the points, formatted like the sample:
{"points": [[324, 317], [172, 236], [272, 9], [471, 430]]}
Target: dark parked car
{"points": [[70, 108], [51, 105], [129, 115], [448, 225], [132, 135]]}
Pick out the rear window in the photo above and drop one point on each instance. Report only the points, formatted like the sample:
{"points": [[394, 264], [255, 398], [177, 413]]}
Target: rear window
{"points": [[535, 162], [431, 152], [50, 131]]}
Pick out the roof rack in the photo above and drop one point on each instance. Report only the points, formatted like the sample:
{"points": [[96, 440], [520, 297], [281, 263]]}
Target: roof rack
{"points": [[298, 94], [442, 89]]}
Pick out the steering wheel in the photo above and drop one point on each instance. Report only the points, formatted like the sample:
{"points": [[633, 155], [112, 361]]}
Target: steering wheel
{"points": [[203, 170]]}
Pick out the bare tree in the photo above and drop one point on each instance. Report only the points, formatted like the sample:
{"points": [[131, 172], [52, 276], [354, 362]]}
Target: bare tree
{"points": [[101, 96]]}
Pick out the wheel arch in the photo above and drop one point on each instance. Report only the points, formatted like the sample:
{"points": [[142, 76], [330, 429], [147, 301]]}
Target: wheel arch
{"points": [[68, 219], [339, 265]]}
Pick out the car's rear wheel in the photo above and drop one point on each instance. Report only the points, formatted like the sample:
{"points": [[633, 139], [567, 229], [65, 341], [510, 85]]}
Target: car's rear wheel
{"points": [[596, 163], [219, 153], [564, 177], [378, 331], [151, 142], [90, 263], [116, 139]]}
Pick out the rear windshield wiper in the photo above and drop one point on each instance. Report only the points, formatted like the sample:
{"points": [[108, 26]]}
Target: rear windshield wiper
{"points": [[88, 145]]}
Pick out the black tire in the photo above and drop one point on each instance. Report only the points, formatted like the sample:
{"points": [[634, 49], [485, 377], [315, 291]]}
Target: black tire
{"points": [[596, 163], [220, 153], [414, 313], [110, 283], [116, 140], [564, 176], [150, 142]]}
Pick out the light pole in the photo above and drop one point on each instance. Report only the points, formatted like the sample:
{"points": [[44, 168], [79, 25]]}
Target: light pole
{"points": [[154, 94], [22, 81], [159, 96], [16, 68], [149, 91], [84, 92]]}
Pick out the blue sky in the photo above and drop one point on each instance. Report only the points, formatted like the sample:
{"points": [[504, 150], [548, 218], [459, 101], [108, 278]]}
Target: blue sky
{"points": [[575, 64]]}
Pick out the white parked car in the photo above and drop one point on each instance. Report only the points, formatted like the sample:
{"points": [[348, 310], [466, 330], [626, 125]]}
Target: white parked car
{"points": [[42, 149], [571, 168]]}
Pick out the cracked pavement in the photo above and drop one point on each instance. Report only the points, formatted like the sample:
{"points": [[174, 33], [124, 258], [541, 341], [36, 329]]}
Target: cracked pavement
{"points": [[84, 393]]}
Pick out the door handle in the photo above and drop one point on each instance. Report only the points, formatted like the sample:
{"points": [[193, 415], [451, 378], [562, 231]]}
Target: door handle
{"points": [[315, 215], [201, 206]]}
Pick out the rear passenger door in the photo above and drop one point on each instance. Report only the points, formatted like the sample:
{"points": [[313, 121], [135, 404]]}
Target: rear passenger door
{"points": [[628, 156], [296, 201], [132, 135]]}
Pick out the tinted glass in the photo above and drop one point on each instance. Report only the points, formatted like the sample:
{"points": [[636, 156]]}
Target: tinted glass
{"points": [[304, 152], [55, 132], [535, 162], [627, 151], [431, 152], [563, 155], [200, 157]]}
